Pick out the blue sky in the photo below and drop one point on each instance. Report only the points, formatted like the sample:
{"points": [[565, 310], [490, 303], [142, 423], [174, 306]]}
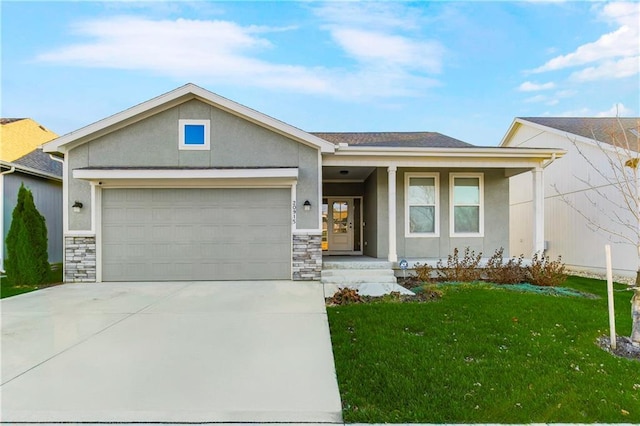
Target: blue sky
{"points": [[464, 69]]}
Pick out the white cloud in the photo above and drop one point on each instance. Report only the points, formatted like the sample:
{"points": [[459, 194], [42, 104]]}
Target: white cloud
{"points": [[223, 52], [375, 48], [617, 110], [536, 99], [612, 55], [607, 70], [528, 86], [383, 36]]}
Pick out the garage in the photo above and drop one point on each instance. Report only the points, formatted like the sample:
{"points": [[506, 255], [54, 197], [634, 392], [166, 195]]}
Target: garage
{"points": [[196, 234]]}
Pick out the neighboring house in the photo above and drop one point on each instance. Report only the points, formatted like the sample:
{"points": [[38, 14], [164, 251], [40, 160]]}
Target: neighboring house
{"points": [[569, 194], [193, 186], [22, 161]]}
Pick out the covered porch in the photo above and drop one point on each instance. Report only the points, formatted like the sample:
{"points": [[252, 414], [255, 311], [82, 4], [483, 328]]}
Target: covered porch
{"points": [[367, 208]]}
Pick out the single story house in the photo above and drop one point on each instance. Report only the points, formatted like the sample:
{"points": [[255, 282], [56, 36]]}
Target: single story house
{"points": [[193, 186], [581, 203], [22, 161]]}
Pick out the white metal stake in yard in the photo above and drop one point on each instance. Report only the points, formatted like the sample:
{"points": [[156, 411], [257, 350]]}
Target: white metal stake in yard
{"points": [[612, 319]]}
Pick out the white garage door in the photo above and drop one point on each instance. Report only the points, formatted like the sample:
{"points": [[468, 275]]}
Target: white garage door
{"points": [[196, 234]]}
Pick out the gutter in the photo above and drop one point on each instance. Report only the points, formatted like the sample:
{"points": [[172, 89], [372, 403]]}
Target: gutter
{"points": [[551, 160]]}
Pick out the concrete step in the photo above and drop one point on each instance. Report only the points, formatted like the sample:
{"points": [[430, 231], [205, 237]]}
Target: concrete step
{"points": [[328, 264], [344, 280], [357, 272]]}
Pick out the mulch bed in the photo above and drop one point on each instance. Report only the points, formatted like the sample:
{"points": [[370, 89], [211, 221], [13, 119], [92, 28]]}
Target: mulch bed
{"points": [[624, 347]]}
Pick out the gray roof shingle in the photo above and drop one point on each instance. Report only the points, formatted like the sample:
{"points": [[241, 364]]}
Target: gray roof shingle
{"points": [[393, 139], [603, 129], [39, 160]]}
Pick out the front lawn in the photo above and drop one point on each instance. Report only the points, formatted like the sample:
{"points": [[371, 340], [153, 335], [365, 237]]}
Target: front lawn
{"points": [[7, 288], [482, 355]]}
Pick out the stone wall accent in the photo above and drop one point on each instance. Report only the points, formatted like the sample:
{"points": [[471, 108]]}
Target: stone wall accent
{"points": [[80, 259], [307, 256]]}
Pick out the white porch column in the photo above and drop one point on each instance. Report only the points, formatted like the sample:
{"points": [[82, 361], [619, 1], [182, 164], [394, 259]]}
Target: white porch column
{"points": [[393, 256], [538, 210]]}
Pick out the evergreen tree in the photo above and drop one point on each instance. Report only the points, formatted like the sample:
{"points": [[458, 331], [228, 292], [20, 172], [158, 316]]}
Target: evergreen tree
{"points": [[27, 259]]}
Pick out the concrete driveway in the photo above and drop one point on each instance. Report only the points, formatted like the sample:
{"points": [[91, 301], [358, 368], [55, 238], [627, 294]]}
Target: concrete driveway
{"points": [[169, 352]]}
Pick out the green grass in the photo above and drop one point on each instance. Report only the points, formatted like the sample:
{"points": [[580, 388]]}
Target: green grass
{"points": [[8, 289], [482, 355]]}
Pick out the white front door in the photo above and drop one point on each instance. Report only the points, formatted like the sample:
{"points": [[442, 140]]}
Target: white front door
{"points": [[340, 224]]}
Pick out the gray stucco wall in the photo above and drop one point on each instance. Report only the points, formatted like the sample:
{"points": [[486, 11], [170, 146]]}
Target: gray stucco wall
{"points": [[47, 196], [496, 217], [153, 142], [370, 215]]}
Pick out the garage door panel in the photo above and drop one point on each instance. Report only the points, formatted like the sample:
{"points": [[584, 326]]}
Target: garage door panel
{"points": [[196, 234]]}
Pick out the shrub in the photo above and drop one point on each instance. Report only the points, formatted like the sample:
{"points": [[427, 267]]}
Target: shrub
{"points": [[499, 272], [460, 270], [346, 296], [424, 273], [27, 261], [545, 272]]}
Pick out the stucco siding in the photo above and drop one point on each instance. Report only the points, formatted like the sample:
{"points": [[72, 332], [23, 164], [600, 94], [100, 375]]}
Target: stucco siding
{"points": [[496, 218], [370, 215], [235, 142], [79, 190], [47, 196]]}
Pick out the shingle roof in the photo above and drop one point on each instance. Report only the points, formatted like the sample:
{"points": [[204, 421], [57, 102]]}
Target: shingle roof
{"points": [[9, 120], [603, 129], [39, 160], [394, 139]]}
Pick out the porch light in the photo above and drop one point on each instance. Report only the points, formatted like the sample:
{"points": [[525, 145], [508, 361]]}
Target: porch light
{"points": [[77, 206], [307, 205]]}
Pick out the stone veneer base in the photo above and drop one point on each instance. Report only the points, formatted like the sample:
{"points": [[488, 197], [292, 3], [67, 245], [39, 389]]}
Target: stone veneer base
{"points": [[307, 256], [79, 259]]}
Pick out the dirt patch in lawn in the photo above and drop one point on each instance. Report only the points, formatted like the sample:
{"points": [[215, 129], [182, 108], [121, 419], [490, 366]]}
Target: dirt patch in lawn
{"points": [[624, 347]]}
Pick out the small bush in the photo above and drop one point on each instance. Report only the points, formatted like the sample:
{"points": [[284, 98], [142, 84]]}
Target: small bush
{"points": [[545, 272], [346, 296], [424, 273], [460, 270], [499, 272]]}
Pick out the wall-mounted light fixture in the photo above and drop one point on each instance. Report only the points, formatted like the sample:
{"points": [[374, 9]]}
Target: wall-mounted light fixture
{"points": [[307, 205], [77, 206]]}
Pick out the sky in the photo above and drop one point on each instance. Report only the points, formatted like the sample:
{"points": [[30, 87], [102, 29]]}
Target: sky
{"points": [[462, 68]]}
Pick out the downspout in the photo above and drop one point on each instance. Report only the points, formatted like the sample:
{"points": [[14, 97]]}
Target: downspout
{"points": [[551, 160], [6, 172]]}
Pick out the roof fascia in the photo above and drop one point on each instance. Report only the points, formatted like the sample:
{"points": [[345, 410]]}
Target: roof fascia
{"points": [[171, 99], [571, 137], [30, 171], [485, 152], [506, 139]]}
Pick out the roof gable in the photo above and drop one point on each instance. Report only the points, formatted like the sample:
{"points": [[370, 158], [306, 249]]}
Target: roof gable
{"points": [[176, 97], [586, 129]]}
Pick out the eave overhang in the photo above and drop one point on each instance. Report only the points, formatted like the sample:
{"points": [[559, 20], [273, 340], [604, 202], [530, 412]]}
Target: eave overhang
{"points": [[516, 159], [177, 177], [174, 98]]}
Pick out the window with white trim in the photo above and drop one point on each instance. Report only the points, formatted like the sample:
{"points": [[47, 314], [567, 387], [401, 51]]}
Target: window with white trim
{"points": [[194, 135], [421, 195], [467, 204]]}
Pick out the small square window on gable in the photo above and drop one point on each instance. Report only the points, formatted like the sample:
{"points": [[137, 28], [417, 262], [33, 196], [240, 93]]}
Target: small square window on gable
{"points": [[194, 135]]}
